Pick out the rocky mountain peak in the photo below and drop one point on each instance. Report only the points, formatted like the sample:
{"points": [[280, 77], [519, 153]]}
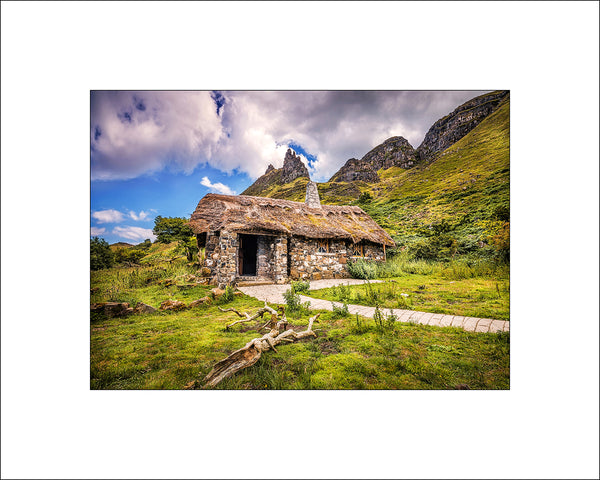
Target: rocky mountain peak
{"points": [[292, 167], [394, 152], [455, 125]]}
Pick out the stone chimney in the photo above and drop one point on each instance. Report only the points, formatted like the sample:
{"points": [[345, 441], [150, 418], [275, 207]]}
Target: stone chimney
{"points": [[312, 195]]}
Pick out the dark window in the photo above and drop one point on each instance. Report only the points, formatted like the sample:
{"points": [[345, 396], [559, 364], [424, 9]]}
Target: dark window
{"points": [[323, 245], [357, 249]]}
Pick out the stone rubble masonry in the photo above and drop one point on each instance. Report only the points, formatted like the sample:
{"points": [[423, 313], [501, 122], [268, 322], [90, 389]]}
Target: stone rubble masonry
{"points": [[307, 263], [282, 258], [227, 259], [264, 256]]}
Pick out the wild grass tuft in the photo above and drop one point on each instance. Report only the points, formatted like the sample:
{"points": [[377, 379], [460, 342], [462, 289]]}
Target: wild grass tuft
{"points": [[340, 312]]}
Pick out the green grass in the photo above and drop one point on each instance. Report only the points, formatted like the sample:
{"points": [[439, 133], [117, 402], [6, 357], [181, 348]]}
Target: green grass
{"points": [[473, 297], [459, 287], [168, 350]]}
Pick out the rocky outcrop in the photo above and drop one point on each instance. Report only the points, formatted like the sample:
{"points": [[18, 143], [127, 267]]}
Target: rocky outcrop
{"points": [[457, 124], [394, 152], [111, 309], [144, 308], [292, 167], [353, 170], [172, 305]]}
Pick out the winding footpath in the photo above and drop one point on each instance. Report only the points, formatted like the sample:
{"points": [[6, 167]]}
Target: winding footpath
{"points": [[274, 294]]}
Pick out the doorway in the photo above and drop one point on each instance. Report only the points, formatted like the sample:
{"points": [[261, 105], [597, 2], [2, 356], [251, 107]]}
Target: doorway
{"points": [[247, 255]]}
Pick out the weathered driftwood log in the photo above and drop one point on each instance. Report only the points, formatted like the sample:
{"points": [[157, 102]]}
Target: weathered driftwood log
{"points": [[252, 351], [247, 318]]}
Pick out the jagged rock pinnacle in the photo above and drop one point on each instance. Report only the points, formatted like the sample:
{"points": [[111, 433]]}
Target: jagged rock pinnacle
{"points": [[292, 167]]}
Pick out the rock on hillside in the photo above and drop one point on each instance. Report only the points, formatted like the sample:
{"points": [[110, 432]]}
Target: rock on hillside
{"points": [[394, 152], [457, 124], [292, 168]]}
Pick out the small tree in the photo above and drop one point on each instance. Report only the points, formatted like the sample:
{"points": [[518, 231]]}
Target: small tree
{"points": [[101, 255], [176, 229], [171, 229]]}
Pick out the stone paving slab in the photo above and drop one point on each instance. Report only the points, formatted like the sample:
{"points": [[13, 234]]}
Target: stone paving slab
{"points": [[274, 294], [446, 320], [483, 325], [435, 320]]}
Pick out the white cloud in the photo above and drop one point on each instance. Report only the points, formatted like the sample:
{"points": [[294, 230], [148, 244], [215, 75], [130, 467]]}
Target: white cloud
{"points": [[134, 233], [95, 231], [217, 187], [108, 216], [134, 133], [139, 217]]}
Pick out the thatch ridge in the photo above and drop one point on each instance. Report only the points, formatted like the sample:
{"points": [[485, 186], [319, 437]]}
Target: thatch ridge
{"points": [[248, 214]]}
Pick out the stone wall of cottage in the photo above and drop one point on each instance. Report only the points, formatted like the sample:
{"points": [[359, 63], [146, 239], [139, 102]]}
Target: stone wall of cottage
{"points": [[307, 263], [221, 257], [211, 253], [274, 253], [264, 256], [372, 251], [280, 259]]}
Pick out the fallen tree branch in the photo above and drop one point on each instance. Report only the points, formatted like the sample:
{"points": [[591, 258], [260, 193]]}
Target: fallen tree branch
{"points": [[249, 318], [252, 351]]}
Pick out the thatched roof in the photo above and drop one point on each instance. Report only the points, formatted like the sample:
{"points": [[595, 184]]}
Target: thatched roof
{"points": [[246, 214]]}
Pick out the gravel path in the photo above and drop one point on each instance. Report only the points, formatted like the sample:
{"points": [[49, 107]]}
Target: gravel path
{"points": [[274, 294]]}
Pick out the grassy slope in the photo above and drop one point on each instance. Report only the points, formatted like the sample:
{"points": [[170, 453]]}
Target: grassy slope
{"points": [[464, 185], [168, 350], [294, 190]]}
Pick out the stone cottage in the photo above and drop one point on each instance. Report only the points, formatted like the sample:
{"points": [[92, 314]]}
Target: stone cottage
{"points": [[265, 239]]}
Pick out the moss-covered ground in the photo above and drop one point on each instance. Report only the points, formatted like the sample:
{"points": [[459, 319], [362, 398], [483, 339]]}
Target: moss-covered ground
{"points": [[169, 350]]}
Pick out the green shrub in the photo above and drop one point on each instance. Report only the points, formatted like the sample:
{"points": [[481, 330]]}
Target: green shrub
{"points": [[361, 268], [129, 255], [101, 255], [341, 292], [293, 302], [300, 286], [384, 323], [365, 197], [227, 296], [340, 312]]}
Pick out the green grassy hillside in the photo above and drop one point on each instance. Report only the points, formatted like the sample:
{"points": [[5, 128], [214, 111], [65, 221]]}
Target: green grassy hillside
{"points": [[295, 190], [467, 187]]}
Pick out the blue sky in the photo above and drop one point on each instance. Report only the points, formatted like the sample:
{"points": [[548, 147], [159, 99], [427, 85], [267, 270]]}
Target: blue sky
{"points": [[158, 153]]}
